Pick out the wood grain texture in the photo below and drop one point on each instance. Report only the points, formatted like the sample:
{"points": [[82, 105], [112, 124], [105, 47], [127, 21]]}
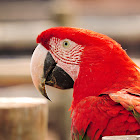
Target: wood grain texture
{"points": [[23, 119]]}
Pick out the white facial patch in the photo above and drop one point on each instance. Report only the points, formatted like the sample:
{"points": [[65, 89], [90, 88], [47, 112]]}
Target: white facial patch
{"points": [[72, 70], [67, 55]]}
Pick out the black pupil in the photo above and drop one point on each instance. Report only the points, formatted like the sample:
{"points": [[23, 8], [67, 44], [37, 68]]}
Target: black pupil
{"points": [[66, 43]]}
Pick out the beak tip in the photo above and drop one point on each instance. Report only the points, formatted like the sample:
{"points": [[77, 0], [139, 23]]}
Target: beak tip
{"points": [[43, 91], [45, 95]]}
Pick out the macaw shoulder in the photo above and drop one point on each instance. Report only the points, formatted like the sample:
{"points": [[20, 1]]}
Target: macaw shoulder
{"points": [[94, 117]]}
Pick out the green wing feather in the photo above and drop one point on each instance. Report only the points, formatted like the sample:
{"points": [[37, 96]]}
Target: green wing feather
{"points": [[81, 137], [136, 115]]}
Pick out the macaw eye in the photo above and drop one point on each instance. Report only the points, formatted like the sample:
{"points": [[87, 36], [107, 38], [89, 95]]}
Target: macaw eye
{"points": [[66, 44]]}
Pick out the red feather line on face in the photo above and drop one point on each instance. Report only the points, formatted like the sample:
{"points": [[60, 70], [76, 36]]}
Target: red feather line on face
{"points": [[70, 55]]}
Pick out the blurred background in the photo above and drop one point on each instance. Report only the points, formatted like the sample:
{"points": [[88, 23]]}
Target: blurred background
{"points": [[22, 20]]}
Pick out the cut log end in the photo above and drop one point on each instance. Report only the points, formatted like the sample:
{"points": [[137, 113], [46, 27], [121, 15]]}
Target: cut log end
{"points": [[19, 102], [23, 118]]}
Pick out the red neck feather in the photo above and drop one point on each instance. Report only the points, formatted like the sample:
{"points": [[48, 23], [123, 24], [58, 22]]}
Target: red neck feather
{"points": [[105, 68]]}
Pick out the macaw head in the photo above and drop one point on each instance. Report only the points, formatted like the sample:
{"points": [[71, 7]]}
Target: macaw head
{"points": [[71, 57]]}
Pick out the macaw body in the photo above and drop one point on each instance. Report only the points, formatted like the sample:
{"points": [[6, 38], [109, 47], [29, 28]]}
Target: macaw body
{"points": [[95, 117], [106, 82]]}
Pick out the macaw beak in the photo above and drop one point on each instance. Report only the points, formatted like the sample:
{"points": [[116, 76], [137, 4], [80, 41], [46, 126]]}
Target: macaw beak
{"points": [[44, 71]]}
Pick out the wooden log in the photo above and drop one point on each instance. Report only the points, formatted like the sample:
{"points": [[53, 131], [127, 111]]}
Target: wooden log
{"points": [[23, 118], [126, 137]]}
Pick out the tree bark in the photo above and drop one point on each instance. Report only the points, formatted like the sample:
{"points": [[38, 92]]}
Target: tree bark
{"points": [[23, 118]]}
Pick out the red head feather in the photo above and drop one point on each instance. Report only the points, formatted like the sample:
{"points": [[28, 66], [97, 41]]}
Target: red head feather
{"points": [[105, 67], [80, 36]]}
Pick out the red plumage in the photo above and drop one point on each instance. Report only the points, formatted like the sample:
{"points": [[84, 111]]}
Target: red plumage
{"points": [[100, 116], [105, 69]]}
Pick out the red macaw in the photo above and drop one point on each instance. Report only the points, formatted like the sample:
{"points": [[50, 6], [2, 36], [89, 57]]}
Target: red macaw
{"points": [[106, 82]]}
